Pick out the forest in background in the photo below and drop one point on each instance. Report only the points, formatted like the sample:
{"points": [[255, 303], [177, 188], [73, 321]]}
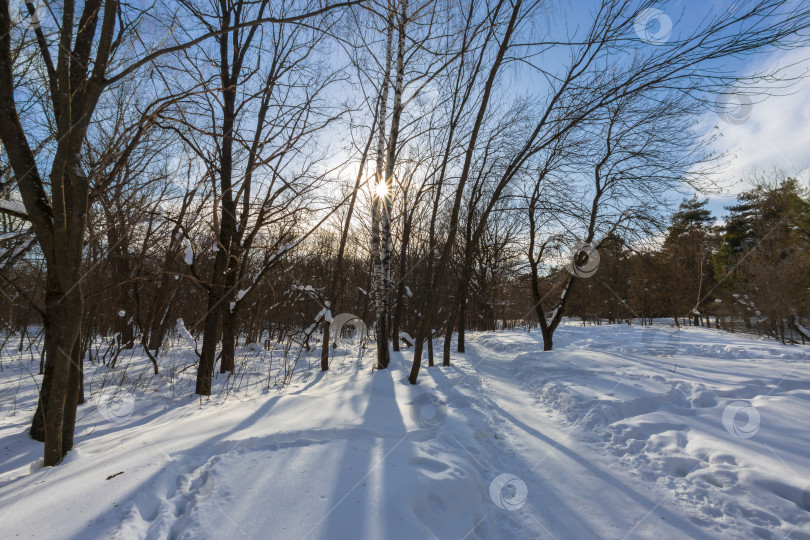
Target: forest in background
{"points": [[751, 272]]}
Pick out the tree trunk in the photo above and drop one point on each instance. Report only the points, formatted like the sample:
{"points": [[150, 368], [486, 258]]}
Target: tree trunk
{"points": [[376, 282], [377, 208], [229, 334], [430, 348], [159, 326], [383, 353], [461, 299], [447, 338], [218, 296], [227, 360], [72, 395], [52, 297], [406, 235], [60, 416], [327, 328], [211, 333], [548, 338]]}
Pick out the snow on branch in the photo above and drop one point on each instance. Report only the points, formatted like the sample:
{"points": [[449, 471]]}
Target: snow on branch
{"points": [[13, 208], [9, 255]]}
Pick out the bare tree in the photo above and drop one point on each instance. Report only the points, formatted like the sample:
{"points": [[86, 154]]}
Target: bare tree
{"points": [[78, 66]]}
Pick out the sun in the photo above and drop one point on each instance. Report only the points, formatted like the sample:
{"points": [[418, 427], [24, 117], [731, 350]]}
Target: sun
{"points": [[381, 190]]}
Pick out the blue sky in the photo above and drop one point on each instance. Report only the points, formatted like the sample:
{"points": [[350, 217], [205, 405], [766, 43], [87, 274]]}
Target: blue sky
{"points": [[772, 134]]}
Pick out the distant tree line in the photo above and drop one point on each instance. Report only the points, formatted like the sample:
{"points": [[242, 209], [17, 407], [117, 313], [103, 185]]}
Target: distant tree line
{"points": [[748, 273]]}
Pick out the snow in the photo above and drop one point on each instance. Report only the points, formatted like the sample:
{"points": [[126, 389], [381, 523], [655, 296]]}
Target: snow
{"points": [[324, 314], [284, 249], [13, 206], [407, 338], [181, 329], [22, 247], [620, 432], [802, 330], [408, 291], [239, 295], [189, 256]]}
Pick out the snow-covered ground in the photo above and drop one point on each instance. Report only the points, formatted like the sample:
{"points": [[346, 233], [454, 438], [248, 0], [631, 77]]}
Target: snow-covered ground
{"points": [[620, 432]]}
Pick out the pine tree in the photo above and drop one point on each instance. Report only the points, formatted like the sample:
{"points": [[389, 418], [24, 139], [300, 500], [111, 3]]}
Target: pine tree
{"points": [[687, 252]]}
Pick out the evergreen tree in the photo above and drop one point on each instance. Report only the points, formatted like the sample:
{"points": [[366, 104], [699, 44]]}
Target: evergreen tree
{"points": [[687, 255]]}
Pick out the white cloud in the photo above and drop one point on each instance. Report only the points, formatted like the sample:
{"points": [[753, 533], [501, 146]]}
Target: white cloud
{"points": [[777, 132]]}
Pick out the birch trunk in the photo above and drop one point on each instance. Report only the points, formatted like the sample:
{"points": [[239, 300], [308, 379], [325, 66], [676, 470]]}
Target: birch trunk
{"points": [[383, 353], [377, 206]]}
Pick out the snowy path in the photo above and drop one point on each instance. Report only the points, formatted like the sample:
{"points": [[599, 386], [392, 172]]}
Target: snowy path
{"points": [[346, 454], [623, 434], [572, 492]]}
